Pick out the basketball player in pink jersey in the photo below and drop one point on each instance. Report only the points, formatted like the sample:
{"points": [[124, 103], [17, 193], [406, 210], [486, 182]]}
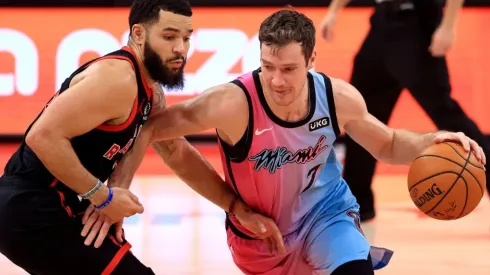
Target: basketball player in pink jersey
{"points": [[276, 128]]}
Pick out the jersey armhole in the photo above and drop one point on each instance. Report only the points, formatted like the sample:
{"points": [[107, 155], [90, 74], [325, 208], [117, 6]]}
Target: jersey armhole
{"points": [[331, 104], [132, 115], [120, 127], [238, 152]]}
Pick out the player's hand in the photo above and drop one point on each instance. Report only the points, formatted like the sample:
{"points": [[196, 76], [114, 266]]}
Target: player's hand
{"points": [[442, 41], [124, 204], [97, 225], [326, 27], [467, 143], [263, 227]]}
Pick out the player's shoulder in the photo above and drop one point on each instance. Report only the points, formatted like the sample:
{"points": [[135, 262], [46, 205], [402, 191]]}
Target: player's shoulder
{"points": [[114, 76], [348, 100], [342, 88], [114, 72]]}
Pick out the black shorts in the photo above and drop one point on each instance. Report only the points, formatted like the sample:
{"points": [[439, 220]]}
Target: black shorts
{"points": [[40, 231]]}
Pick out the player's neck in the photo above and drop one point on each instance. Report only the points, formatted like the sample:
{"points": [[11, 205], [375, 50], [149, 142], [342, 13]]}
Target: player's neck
{"points": [[139, 58]]}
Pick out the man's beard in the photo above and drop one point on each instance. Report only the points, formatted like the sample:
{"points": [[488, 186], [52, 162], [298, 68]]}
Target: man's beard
{"points": [[159, 71]]}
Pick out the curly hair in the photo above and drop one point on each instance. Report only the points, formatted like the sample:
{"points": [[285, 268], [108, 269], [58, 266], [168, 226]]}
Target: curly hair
{"points": [[286, 26]]}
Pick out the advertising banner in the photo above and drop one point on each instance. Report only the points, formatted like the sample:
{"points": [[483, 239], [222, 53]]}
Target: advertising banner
{"points": [[39, 48]]}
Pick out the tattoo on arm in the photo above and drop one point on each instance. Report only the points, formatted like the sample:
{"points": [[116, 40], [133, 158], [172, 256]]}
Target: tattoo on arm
{"points": [[159, 99], [166, 148]]}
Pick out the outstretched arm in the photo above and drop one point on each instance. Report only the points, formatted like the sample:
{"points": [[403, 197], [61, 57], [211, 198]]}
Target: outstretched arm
{"points": [[222, 107], [195, 115], [189, 165], [200, 113], [394, 146]]}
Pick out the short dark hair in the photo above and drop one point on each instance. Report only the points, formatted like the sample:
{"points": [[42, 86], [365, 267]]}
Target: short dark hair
{"points": [[286, 26], [147, 11]]}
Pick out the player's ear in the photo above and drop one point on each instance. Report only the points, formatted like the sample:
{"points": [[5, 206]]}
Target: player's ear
{"points": [[138, 34], [312, 60]]}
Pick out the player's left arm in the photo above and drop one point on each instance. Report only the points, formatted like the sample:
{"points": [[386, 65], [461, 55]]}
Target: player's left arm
{"points": [[394, 146]]}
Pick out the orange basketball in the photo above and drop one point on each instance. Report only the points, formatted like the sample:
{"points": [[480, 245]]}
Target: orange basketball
{"points": [[446, 182]]}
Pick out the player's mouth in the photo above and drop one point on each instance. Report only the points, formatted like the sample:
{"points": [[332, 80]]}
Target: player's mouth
{"points": [[281, 91], [176, 64]]}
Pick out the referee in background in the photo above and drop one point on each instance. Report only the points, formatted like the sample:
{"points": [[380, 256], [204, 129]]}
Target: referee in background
{"points": [[405, 48]]}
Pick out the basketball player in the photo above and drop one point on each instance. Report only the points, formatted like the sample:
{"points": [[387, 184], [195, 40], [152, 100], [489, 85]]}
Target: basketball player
{"points": [[276, 126], [75, 143]]}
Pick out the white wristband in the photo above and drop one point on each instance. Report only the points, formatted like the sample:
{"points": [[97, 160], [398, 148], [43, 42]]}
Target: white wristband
{"points": [[92, 192]]}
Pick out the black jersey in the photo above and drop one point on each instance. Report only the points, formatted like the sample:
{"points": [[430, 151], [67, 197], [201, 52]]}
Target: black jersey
{"points": [[100, 149]]}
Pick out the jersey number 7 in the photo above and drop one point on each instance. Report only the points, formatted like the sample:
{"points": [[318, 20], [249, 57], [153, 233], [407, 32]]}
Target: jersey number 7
{"points": [[312, 176]]}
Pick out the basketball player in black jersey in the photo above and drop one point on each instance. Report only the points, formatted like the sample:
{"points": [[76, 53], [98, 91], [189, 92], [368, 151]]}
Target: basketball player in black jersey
{"points": [[75, 143]]}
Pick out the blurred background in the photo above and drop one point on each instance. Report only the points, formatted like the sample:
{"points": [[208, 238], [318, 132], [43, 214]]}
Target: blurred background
{"points": [[181, 233]]}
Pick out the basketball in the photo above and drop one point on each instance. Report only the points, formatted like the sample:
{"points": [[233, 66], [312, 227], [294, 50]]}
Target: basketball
{"points": [[446, 182]]}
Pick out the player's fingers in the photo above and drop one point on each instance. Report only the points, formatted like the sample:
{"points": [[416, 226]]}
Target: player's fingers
{"points": [[137, 209], [89, 223], [279, 241], [275, 236], [483, 156], [261, 227], [93, 232], [466, 144], [260, 230], [268, 243], [475, 148], [87, 213], [135, 198], [253, 222], [464, 140], [119, 231], [102, 234]]}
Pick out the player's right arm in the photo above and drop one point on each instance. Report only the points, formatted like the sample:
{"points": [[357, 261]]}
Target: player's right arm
{"points": [[222, 107], [105, 91]]}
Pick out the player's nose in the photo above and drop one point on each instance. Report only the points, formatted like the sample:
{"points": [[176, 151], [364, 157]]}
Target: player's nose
{"points": [[179, 47], [277, 82]]}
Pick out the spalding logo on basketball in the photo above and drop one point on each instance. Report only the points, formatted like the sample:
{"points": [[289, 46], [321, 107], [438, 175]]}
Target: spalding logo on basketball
{"points": [[421, 199]]}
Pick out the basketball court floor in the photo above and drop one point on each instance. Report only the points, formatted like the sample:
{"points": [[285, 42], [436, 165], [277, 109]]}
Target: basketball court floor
{"points": [[182, 233]]}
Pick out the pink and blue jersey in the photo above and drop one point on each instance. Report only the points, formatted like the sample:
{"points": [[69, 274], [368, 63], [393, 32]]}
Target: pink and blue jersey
{"points": [[284, 169], [289, 171]]}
